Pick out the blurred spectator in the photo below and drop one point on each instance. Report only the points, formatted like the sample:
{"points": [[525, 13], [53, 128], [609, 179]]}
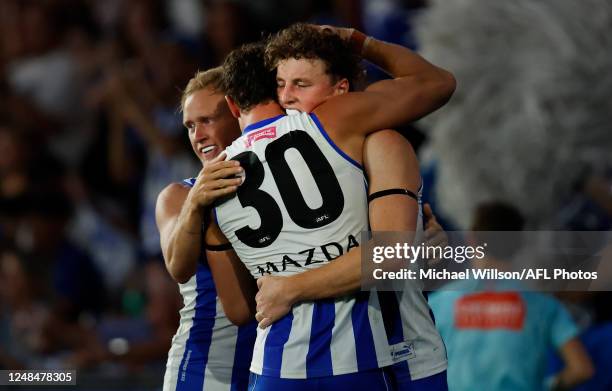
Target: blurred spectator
{"points": [[14, 161], [598, 343], [589, 206], [391, 20], [88, 104], [135, 342], [98, 227], [22, 312], [335, 12], [185, 17], [498, 337], [142, 103], [25, 168], [41, 31], [228, 25], [75, 284]]}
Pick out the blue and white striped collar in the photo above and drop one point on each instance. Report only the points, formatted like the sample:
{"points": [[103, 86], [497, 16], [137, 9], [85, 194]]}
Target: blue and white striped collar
{"points": [[261, 123]]}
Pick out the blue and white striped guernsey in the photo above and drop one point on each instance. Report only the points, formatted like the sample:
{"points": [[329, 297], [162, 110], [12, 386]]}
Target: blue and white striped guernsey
{"points": [[208, 352], [303, 203], [415, 342]]}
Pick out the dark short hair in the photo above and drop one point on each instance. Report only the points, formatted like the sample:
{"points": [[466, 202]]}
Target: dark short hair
{"points": [[246, 79], [492, 217], [304, 41]]}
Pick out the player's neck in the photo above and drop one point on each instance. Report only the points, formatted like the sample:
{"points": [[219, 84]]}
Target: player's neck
{"points": [[259, 113]]}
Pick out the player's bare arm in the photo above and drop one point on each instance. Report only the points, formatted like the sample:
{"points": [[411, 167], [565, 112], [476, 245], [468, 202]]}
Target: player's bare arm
{"points": [[179, 214], [418, 88], [235, 286], [395, 170], [344, 275]]}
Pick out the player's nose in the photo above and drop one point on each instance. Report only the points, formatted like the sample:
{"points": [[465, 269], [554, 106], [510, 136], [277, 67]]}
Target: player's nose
{"points": [[286, 96], [200, 133]]}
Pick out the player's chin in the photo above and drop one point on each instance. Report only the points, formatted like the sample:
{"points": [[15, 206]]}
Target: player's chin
{"points": [[205, 159], [207, 156]]}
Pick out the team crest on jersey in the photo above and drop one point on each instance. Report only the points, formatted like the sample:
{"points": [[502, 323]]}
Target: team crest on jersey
{"points": [[260, 134]]}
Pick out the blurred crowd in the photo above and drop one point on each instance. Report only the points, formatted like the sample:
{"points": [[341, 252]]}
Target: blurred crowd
{"points": [[90, 132]]}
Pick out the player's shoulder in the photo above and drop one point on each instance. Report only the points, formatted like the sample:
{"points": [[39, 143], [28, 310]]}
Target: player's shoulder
{"points": [[169, 203], [341, 105], [175, 192]]}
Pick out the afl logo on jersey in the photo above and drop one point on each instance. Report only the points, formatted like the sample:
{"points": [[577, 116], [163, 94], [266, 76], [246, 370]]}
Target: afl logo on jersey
{"points": [[260, 134]]}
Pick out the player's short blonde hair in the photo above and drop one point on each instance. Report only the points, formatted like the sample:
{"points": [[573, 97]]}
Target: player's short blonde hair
{"points": [[210, 78]]}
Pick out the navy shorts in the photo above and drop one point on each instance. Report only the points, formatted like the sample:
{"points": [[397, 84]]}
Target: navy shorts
{"points": [[400, 380], [373, 380]]}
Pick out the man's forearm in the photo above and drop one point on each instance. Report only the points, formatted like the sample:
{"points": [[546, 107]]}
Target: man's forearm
{"points": [[396, 60], [180, 213], [184, 247], [337, 278], [393, 164], [417, 88]]}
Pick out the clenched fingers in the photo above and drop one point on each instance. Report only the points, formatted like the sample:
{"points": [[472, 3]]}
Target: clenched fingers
{"points": [[264, 322], [219, 158], [220, 168], [214, 194], [220, 183], [224, 173]]}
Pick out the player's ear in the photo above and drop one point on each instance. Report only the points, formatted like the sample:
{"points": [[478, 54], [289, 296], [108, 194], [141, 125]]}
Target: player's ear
{"points": [[341, 87], [232, 106]]}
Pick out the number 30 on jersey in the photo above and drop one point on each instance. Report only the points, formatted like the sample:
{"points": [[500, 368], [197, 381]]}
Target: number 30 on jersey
{"points": [[250, 194]]}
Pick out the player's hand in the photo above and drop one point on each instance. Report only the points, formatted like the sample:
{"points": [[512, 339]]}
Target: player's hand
{"points": [[215, 180], [434, 233], [273, 299], [343, 32], [356, 38]]}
